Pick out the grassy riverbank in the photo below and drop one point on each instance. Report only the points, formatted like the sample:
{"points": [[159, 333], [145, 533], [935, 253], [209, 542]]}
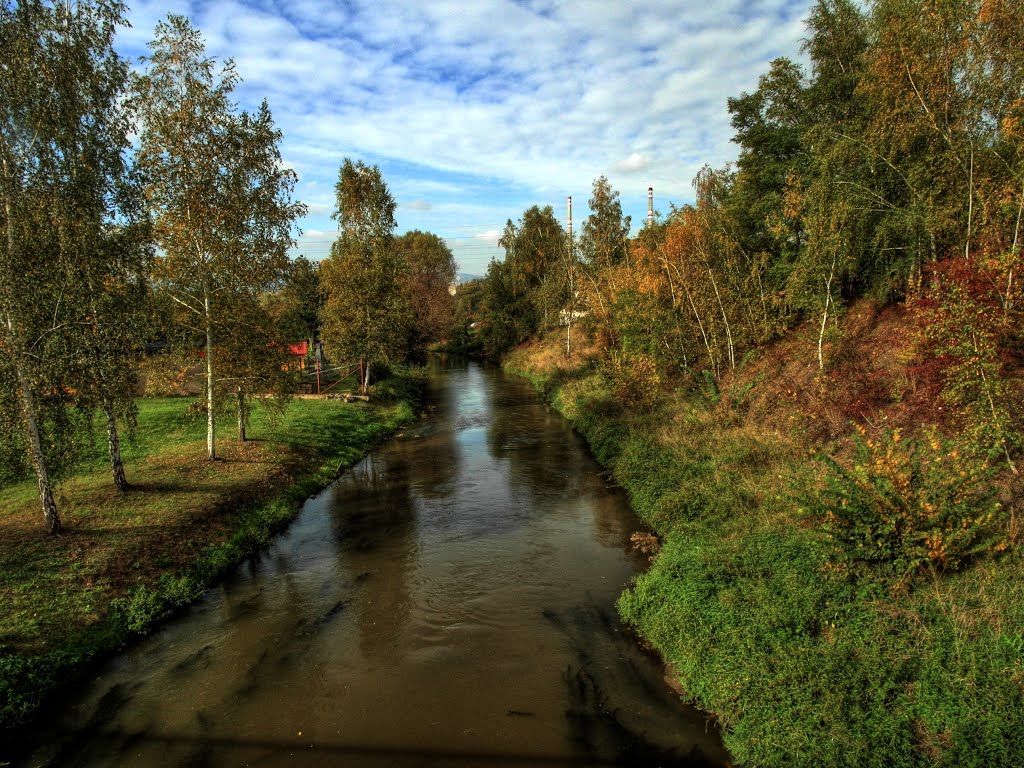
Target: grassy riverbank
{"points": [[806, 662], [126, 561]]}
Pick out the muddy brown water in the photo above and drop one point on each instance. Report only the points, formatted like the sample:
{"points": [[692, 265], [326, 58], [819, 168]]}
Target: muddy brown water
{"points": [[449, 601]]}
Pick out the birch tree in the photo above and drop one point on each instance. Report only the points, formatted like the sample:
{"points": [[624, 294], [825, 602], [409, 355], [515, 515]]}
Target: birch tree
{"points": [[62, 135], [112, 331], [220, 198]]}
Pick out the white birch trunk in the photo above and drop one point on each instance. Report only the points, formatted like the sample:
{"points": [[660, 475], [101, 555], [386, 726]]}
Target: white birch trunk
{"points": [[241, 415], [30, 424], [824, 315], [114, 447], [26, 399], [211, 447]]}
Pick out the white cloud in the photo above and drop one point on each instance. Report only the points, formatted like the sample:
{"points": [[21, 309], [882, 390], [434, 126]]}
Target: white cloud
{"points": [[635, 162], [479, 110]]}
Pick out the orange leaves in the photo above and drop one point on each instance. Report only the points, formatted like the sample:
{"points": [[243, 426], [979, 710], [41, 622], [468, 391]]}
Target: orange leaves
{"points": [[1012, 124]]}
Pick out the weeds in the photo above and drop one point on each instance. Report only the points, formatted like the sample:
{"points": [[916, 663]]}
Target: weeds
{"points": [[907, 504]]}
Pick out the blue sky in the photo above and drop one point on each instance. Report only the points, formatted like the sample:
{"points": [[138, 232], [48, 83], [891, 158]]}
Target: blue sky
{"points": [[475, 111]]}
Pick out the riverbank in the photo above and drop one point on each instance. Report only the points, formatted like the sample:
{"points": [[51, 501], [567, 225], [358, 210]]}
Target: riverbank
{"points": [[125, 562], [804, 660]]}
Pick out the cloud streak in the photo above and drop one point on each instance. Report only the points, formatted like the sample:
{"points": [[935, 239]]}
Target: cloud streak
{"points": [[483, 109]]}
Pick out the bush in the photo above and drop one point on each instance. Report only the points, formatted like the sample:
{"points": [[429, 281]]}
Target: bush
{"points": [[141, 610], [906, 504], [634, 378]]}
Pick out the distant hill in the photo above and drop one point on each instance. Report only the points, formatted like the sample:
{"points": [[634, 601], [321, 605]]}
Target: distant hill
{"points": [[465, 277]]}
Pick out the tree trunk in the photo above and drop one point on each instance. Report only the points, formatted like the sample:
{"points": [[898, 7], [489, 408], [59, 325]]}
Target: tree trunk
{"points": [[211, 447], [824, 316], [725, 320], [1014, 253], [821, 337], [30, 424], [114, 447], [970, 207], [241, 415], [29, 418], [366, 380]]}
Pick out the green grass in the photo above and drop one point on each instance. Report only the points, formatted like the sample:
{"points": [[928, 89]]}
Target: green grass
{"points": [[804, 663], [127, 561]]}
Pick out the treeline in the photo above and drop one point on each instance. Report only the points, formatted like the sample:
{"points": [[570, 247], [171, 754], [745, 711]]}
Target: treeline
{"points": [[149, 208], [891, 168]]}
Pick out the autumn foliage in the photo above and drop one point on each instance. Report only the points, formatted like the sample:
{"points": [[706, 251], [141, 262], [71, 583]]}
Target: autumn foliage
{"points": [[889, 172]]}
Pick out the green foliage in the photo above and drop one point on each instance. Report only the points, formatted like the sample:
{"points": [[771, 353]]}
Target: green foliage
{"points": [[709, 387], [431, 274], [605, 232], [804, 670], [366, 315], [405, 385], [644, 325], [140, 610], [903, 505], [526, 291], [299, 302], [510, 315]]}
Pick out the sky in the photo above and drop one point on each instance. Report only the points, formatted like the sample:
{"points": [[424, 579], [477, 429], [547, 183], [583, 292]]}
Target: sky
{"points": [[478, 109]]}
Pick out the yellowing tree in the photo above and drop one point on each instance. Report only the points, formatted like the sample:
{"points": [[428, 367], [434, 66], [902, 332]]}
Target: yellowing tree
{"points": [[218, 193], [62, 185], [431, 273]]}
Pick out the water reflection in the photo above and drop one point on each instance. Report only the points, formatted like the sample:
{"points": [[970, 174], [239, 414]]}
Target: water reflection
{"points": [[449, 601]]}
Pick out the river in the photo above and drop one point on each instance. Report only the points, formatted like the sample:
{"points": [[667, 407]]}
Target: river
{"points": [[449, 601]]}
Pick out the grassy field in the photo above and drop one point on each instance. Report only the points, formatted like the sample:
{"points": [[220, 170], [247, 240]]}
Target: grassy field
{"points": [[803, 661], [124, 561]]}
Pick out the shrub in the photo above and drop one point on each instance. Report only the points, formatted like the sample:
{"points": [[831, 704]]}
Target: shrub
{"points": [[140, 610], [634, 378], [907, 504]]}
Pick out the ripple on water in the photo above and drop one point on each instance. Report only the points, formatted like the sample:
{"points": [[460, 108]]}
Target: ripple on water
{"points": [[449, 602]]}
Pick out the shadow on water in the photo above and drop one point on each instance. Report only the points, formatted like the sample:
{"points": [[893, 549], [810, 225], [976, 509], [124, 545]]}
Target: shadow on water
{"points": [[596, 730]]}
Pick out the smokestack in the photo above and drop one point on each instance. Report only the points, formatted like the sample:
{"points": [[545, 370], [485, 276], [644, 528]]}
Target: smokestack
{"points": [[650, 205]]}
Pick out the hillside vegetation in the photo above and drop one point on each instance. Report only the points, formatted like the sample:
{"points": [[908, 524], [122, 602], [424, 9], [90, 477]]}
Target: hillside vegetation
{"points": [[815, 642]]}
